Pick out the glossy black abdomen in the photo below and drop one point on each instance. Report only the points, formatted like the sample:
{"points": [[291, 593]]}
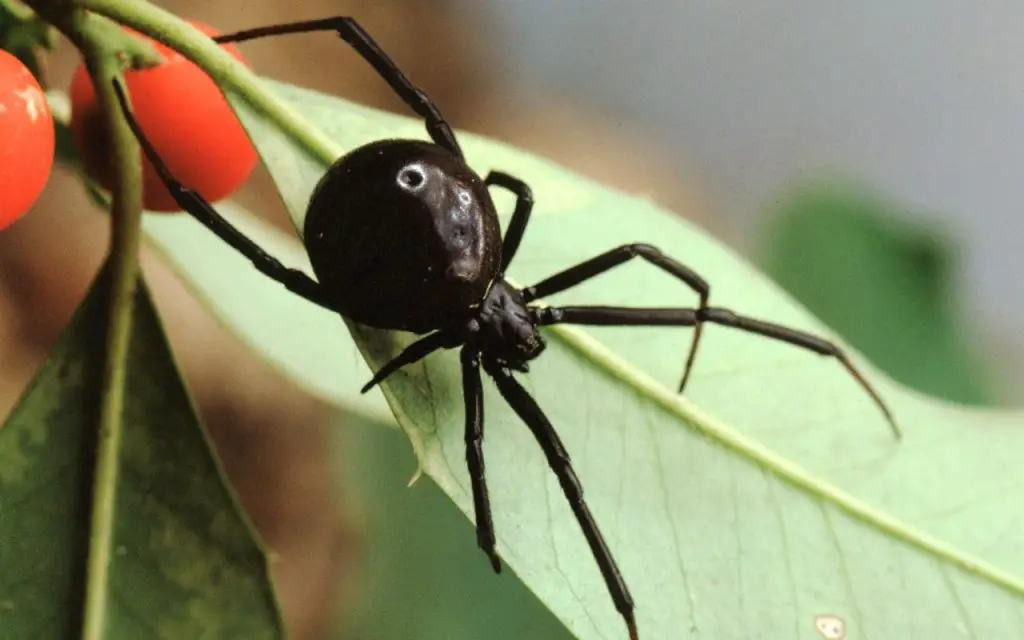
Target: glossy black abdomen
{"points": [[403, 235]]}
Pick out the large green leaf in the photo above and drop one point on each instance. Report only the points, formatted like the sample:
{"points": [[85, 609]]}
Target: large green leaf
{"points": [[186, 563], [731, 511]]}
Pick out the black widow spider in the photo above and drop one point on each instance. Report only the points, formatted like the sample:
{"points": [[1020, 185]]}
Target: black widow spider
{"points": [[403, 235]]}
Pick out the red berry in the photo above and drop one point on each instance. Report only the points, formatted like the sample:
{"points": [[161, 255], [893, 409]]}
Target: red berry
{"points": [[184, 115], [26, 139]]}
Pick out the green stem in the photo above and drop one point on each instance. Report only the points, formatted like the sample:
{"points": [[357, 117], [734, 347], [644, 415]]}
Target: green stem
{"points": [[123, 263], [225, 70], [103, 55]]}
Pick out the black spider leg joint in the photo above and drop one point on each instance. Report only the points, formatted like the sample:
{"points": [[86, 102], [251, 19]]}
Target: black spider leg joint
{"points": [[198, 207], [353, 34], [613, 258], [520, 215]]}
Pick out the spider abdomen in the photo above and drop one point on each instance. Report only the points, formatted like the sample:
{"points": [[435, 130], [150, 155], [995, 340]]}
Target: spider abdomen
{"points": [[403, 235]]}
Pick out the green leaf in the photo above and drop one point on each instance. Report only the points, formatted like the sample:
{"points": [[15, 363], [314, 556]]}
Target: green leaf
{"points": [[412, 542], [731, 511], [847, 252], [186, 563]]}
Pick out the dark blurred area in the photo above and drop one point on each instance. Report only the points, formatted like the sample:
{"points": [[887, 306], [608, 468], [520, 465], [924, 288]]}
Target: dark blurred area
{"points": [[888, 288]]}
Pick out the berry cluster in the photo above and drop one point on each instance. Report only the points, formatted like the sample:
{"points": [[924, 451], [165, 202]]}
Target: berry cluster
{"points": [[200, 138]]}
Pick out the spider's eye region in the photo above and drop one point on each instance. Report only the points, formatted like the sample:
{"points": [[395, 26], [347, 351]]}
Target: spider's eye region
{"points": [[465, 198], [411, 178]]}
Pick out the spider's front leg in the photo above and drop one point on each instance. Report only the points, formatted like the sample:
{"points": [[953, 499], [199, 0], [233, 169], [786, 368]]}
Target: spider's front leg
{"points": [[610, 259], [411, 354], [680, 317], [520, 216], [196, 205], [357, 38]]}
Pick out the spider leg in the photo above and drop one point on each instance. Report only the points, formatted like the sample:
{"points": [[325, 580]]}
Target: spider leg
{"points": [[520, 216], [609, 260], [196, 205], [624, 316], [353, 34], [473, 394], [558, 459], [413, 353]]}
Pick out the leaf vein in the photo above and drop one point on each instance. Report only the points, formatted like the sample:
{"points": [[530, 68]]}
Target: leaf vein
{"points": [[844, 570], [680, 561], [958, 602], [786, 557]]}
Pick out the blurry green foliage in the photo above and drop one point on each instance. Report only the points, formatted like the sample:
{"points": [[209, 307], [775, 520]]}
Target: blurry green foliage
{"points": [[885, 284]]}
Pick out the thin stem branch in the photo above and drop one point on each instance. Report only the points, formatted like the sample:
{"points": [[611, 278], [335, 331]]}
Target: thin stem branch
{"points": [[226, 71], [123, 266], [104, 52]]}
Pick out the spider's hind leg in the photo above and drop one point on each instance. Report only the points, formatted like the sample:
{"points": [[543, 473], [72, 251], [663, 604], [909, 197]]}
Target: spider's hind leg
{"points": [[681, 317]]}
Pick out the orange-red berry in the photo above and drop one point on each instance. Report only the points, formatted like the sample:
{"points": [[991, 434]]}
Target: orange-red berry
{"points": [[185, 116], [26, 139]]}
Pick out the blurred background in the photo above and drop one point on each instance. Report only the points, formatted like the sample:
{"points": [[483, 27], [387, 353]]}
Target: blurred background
{"points": [[864, 155]]}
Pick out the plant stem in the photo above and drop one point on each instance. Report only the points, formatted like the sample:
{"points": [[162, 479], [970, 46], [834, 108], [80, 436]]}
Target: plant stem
{"points": [[103, 58], [225, 70], [123, 265]]}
